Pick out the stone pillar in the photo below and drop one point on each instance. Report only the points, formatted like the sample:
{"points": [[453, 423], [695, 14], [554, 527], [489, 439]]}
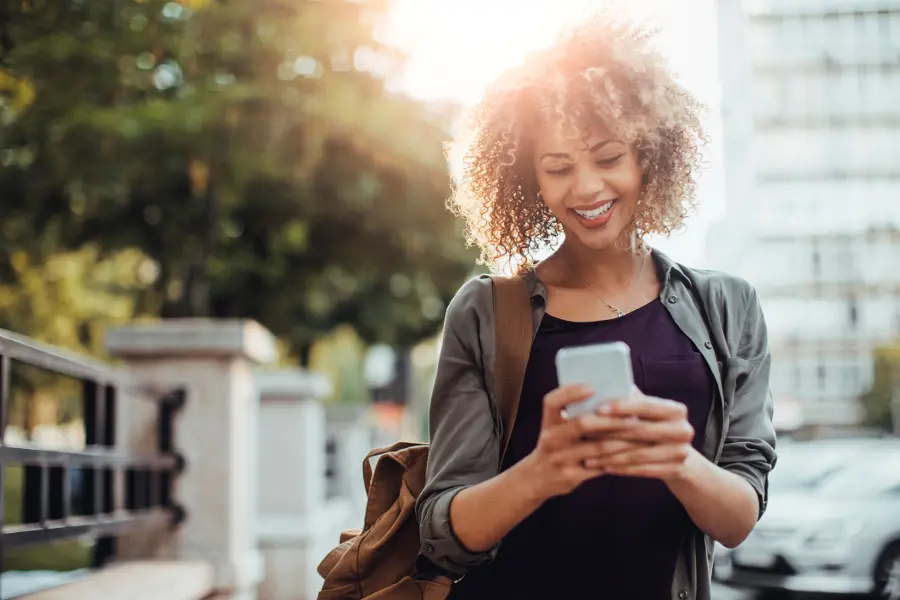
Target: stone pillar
{"points": [[354, 433], [298, 525], [895, 404], [216, 432]]}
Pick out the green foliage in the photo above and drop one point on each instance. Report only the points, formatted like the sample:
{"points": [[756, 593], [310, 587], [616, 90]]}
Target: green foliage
{"points": [[248, 148], [68, 300], [340, 357], [62, 555], [877, 401], [73, 296]]}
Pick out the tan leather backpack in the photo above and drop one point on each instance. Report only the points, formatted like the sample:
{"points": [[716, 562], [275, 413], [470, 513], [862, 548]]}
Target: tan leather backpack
{"points": [[378, 562]]}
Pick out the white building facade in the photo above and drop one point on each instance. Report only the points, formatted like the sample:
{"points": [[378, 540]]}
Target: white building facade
{"points": [[811, 121]]}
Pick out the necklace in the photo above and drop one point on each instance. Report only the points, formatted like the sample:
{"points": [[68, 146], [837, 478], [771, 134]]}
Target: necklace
{"points": [[619, 312]]}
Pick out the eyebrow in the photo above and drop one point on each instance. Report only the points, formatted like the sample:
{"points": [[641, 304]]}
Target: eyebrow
{"points": [[591, 150]]}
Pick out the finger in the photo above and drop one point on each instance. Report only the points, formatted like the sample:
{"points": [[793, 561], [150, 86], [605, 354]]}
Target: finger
{"points": [[670, 453], [577, 442], [583, 451], [654, 471], [558, 399], [563, 433], [612, 447], [647, 408], [568, 432], [594, 425], [655, 432], [586, 427]]}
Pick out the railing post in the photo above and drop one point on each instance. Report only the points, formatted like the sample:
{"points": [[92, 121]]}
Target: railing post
{"points": [[215, 433], [297, 526], [4, 407]]}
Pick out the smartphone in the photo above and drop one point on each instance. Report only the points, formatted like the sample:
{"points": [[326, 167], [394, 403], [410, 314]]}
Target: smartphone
{"points": [[605, 368]]}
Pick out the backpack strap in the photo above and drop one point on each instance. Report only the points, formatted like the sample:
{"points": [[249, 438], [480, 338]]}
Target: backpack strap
{"points": [[513, 332], [376, 453]]}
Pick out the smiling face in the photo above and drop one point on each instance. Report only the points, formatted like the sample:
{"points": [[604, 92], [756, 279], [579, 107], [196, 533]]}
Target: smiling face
{"points": [[590, 183]]}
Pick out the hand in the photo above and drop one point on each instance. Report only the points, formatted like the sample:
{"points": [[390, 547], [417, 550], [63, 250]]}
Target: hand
{"points": [[559, 462], [661, 435]]}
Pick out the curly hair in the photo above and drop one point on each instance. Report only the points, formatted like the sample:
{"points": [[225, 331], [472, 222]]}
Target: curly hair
{"points": [[604, 70]]}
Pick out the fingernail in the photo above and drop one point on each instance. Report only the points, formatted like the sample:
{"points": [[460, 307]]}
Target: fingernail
{"points": [[605, 409]]}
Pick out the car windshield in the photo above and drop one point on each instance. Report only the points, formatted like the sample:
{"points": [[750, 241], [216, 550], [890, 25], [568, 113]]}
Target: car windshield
{"points": [[805, 469], [869, 476]]}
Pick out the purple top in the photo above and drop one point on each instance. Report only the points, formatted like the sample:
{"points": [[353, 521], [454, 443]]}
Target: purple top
{"points": [[613, 537]]}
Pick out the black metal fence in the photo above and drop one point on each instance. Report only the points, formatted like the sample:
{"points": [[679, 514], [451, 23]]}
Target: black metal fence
{"points": [[98, 491]]}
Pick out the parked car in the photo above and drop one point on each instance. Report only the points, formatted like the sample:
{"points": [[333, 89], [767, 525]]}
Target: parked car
{"points": [[832, 526], [801, 466]]}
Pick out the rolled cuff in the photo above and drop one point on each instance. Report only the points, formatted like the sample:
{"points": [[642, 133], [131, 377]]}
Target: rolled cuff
{"points": [[756, 477], [439, 543]]}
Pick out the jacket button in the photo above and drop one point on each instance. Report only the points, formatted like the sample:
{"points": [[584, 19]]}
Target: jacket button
{"points": [[673, 299], [708, 345], [428, 548], [683, 595]]}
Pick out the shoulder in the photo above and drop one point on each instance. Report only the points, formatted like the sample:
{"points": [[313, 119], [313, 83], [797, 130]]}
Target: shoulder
{"points": [[716, 289], [732, 288], [731, 293], [731, 305], [472, 302]]}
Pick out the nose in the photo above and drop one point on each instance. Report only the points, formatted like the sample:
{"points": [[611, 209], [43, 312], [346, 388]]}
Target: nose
{"points": [[588, 184]]}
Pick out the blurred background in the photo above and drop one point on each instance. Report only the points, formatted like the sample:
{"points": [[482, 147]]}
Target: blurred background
{"points": [[209, 162]]}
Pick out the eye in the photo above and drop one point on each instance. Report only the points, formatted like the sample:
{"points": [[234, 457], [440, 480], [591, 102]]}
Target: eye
{"points": [[605, 162], [559, 171]]}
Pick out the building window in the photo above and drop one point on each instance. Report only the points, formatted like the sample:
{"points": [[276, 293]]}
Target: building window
{"points": [[817, 263], [821, 373], [851, 380], [854, 313]]}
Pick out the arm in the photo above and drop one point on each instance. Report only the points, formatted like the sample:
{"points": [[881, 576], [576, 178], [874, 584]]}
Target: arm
{"points": [[483, 514], [721, 504], [725, 500], [465, 442], [749, 449]]}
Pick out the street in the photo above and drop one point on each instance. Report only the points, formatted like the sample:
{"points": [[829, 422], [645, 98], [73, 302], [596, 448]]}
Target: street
{"points": [[721, 592]]}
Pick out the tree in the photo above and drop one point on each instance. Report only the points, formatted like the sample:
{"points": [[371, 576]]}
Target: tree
{"points": [[878, 402], [249, 148]]}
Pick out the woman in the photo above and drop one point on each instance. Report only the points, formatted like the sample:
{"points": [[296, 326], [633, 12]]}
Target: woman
{"points": [[594, 142]]}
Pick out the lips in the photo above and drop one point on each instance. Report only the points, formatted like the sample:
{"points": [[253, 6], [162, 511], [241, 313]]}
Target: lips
{"points": [[595, 205], [595, 215]]}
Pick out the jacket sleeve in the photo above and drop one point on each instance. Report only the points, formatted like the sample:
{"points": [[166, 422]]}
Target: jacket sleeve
{"points": [[749, 448], [465, 447]]}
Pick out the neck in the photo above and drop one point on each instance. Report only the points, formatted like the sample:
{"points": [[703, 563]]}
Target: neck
{"points": [[609, 268]]}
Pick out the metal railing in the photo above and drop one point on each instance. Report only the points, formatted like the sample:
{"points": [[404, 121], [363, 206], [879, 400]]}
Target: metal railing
{"points": [[98, 491]]}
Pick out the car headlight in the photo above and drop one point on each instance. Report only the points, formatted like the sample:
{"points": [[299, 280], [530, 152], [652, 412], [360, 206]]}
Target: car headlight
{"points": [[833, 533]]}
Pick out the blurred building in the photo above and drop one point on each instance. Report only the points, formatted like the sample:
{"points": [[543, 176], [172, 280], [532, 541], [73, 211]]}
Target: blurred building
{"points": [[811, 121]]}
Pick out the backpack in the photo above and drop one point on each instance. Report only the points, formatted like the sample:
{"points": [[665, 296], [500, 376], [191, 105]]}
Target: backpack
{"points": [[378, 562]]}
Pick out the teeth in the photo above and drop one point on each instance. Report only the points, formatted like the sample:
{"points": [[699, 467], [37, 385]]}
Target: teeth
{"points": [[595, 213]]}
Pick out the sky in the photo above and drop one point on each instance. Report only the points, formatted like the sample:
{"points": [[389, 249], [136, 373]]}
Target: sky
{"points": [[455, 47]]}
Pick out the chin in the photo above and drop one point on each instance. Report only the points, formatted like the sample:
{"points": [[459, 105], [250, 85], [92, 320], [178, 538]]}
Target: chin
{"points": [[596, 239]]}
